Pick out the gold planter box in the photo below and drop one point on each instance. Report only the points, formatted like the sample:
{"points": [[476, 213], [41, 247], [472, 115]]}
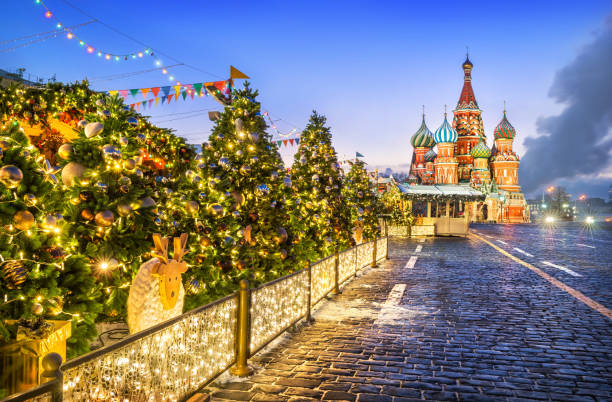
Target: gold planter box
{"points": [[21, 360]]}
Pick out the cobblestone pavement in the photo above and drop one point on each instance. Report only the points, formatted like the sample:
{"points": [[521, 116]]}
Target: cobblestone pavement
{"points": [[466, 323]]}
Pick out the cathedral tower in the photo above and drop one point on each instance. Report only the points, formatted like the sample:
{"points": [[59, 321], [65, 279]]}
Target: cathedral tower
{"points": [[505, 162], [480, 172], [468, 123], [446, 163], [422, 141]]}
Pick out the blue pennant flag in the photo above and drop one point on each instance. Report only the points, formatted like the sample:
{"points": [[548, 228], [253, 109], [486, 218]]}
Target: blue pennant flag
{"points": [[166, 91], [358, 155]]}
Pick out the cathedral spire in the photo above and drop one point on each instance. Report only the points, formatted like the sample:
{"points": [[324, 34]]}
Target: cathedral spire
{"points": [[467, 100]]}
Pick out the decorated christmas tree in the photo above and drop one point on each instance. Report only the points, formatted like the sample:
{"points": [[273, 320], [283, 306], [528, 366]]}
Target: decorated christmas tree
{"points": [[358, 193], [42, 278], [112, 211], [239, 204], [317, 177]]}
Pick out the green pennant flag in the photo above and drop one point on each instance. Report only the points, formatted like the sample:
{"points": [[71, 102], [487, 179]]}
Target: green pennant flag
{"points": [[184, 94], [144, 104], [134, 92], [198, 88], [279, 143]]}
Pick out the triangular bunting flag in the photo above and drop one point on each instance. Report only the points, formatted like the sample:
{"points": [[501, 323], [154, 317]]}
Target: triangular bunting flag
{"points": [[144, 104], [134, 92], [188, 86], [132, 106], [176, 96], [198, 88], [220, 85], [191, 93], [165, 90], [235, 73], [297, 141], [145, 91], [138, 106], [155, 91], [151, 102], [285, 142], [279, 143], [124, 93], [164, 99], [113, 93], [156, 101], [184, 95], [177, 89], [291, 141]]}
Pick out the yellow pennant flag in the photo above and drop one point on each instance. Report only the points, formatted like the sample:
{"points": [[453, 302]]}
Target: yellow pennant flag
{"points": [[235, 73], [156, 100], [177, 89], [113, 93]]}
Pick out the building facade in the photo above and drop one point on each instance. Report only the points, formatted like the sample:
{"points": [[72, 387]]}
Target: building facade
{"points": [[463, 157]]}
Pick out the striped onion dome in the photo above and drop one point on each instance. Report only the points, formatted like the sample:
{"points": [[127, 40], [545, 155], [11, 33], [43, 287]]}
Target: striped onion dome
{"points": [[481, 150], [423, 137], [430, 155], [504, 129], [445, 133]]}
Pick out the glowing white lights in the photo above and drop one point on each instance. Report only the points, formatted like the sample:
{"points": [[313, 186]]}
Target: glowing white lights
{"points": [[589, 220], [549, 219]]}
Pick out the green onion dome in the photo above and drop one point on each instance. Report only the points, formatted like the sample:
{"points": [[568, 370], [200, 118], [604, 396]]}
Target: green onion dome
{"points": [[504, 129], [430, 156], [481, 150], [423, 137]]}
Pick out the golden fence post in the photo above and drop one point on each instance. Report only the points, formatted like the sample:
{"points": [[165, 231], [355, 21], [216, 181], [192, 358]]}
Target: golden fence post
{"points": [[374, 265], [356, 261], [309, 294], [51, 364], [241, 368], [336, 289]]}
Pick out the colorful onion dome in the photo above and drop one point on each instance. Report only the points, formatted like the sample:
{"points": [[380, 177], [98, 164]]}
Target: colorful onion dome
{"points": [[445, 133], [481, 150], [423, 137], [504, 129], [430, 156]]}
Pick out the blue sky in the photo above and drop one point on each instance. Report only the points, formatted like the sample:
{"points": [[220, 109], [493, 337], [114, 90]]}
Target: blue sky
{"points": [[367, 65]]}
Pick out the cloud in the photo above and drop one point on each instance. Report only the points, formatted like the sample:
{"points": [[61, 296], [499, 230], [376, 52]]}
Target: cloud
{"points": [[575, 142]]}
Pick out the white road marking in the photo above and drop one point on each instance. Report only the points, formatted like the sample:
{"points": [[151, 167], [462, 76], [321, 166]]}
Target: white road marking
{"points": [[523, 252], [421, 240], [418, 249], [411, 262], [569, 271], [389, 311], [502, 242], [395, 296], [584, 245]]}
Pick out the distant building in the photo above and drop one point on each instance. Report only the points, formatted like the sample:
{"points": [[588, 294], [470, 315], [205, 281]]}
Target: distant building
{"points": [[464, 158]]}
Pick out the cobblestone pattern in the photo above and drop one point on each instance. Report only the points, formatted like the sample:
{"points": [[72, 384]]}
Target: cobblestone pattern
{"points": [[471, 325]]}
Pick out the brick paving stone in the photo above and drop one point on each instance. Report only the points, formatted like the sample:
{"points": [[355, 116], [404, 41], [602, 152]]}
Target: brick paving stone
{"points": [[471, 325]]}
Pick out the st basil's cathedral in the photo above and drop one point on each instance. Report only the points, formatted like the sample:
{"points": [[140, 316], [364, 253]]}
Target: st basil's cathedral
{"points": [[464, 158]]}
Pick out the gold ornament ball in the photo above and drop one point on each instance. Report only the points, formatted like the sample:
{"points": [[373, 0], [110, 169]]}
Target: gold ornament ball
{"points": [[23, 220], [192, 207], [87, 214], [129, 164], [37, 309], [124, 141], [4, 145], [124, 209], [93, 129], [216, 209], [64, 151], [10, 176], [50, 222], [105, 218], [147, 202], [30, 199], [72, 171]]}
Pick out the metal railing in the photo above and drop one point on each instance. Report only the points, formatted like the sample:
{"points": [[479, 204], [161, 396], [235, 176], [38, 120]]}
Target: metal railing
{"points": [[176, 358]]}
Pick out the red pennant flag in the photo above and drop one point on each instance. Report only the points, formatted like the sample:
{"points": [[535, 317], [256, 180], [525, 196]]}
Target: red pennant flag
{"points": [[132, 106], [169, 98], [220, 85], [285, 142], [155, 91], [291, 141]]}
